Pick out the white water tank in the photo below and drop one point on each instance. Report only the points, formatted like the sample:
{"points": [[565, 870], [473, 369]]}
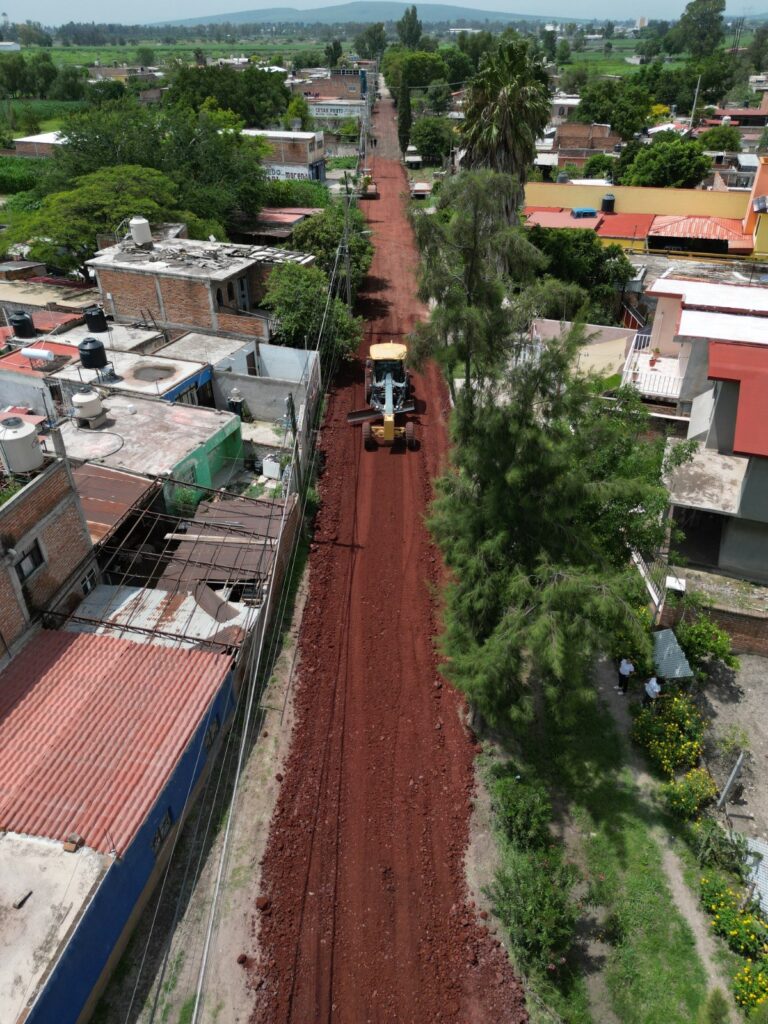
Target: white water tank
{"points": [[141, 233], [87, 405], [43, 354], [19, 446]]}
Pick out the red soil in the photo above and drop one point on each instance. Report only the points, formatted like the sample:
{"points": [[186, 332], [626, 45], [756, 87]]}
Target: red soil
{"points": [[369, 918]]}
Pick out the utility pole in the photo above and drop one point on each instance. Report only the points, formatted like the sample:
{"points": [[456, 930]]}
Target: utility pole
{"points": [[345, 242], [695, 100]]}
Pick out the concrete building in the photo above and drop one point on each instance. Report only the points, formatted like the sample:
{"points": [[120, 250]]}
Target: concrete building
{"points": [[213, 286], [575, 143], [35, 295], [133, 338], [338, 109], [42, 144], [24, 379], [338, 83], [103, 745], [292, 156], [160, 439], [46, 552], [561, 106]]}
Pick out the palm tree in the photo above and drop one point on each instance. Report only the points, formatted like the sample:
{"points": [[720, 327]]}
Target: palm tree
{"points": [[506, 110]]}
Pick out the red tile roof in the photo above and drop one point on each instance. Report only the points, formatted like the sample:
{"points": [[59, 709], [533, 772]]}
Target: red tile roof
{"points": [[541, 209], [723, 228], [562, 219], [747, 365], [91, 728], [626, 225], [18, 363]]}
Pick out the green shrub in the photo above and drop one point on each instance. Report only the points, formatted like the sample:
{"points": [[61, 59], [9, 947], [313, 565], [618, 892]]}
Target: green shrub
{"points": [[716, 1010], [531, 896], [671, 732], [685, 797], [704, 641], [725, 851], [19, 174], [522, 809], [750, 989], [738, 922]]}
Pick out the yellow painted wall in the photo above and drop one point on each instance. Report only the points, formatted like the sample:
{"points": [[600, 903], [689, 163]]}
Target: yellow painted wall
{"points": [[633, 199], [761, 235]]}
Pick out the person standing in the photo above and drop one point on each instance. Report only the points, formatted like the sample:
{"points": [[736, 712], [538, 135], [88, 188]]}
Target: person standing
{"points": [[652, 691], [626, 669]]}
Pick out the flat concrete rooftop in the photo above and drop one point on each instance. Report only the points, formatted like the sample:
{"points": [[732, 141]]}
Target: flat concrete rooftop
{"points": [[206, 348], [33, 936], [187, 258], [118, 338], [32, 293], [151, 440], [148, 376], [710, 481]]}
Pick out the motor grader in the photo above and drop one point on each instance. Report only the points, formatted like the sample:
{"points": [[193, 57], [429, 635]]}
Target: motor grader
{"points": [[388, 394]]}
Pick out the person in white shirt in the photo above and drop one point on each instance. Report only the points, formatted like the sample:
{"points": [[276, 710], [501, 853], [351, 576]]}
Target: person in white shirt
{"points": [[652, 691], [626, 668]]}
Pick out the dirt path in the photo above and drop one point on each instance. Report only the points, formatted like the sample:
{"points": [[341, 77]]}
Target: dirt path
{"points": [[368, 916], [706, 945]]}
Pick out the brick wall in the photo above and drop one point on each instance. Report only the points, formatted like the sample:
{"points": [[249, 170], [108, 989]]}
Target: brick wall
{"points": [[131, 293], [186, 301], [748, 630], [46, 511], [250, 326]]}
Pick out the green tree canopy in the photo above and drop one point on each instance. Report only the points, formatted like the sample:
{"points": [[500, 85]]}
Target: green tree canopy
{"points": [[600, 165], [622, 104], [298, 110], [506, 111], [409, 29], [371, 42], [433, 138], [438, 97], [721, 137], [63, 230], [333, 52], [258, 97], [702, 26], [321, 235], [668, 163]]}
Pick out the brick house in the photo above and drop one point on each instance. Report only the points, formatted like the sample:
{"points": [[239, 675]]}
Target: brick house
{"points": [[46, 553], [341, 84], [292, 156], [576, 142], [203, 286]]}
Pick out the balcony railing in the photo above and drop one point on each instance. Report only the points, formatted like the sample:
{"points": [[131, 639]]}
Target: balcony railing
{"points": [[653, 376]]}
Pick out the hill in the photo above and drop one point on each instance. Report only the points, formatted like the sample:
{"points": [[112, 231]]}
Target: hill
{"points": [[357, 11]]}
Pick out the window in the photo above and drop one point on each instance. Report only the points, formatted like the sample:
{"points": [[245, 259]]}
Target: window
{"points": [[31, 559], [161, 833], [89, 582]]}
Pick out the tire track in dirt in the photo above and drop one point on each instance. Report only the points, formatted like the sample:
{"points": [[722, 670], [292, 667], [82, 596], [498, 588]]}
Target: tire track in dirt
{"points": [[369, 918]]}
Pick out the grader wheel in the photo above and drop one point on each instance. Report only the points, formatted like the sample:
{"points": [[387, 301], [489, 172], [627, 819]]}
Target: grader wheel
{"points": [[410, 435], [367, 437]]}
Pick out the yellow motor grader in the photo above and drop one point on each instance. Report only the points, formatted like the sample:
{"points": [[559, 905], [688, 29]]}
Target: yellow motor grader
{"points": [[388, 393]]}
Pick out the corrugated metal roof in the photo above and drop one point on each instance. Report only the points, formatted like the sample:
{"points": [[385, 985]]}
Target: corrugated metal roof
{"points": [[668, 658], [91, 728], [726, 229], [625, 225], [107, 495], [747, 364]]}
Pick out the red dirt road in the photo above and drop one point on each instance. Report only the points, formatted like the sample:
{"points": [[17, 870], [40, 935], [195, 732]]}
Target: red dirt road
{"points": [[369, 917]]}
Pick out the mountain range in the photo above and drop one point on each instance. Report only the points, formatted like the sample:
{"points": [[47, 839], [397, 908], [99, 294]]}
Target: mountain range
{"points": [[359, 11]]}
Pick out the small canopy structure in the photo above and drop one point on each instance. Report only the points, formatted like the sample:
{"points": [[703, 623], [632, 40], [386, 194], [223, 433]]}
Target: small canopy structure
{"points": [[669, 660]]}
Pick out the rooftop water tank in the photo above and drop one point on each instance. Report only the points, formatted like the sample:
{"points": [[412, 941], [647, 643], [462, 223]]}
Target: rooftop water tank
{"points": [[20, 450], [95, 320], [22, 325], [609, 203], [43, 354], [141, 233], [87, 405], [93, 355]]}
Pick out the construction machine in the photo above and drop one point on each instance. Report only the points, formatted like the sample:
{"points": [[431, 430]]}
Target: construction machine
{"points": [[388, 393]]}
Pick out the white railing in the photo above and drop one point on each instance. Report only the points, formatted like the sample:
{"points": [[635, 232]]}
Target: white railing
{"points": [[649, 380]]}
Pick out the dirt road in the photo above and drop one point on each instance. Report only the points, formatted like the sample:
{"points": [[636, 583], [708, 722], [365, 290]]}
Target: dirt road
{"points": [[369, 918]]}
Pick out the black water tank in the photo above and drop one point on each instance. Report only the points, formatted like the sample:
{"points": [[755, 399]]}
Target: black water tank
{"points": [[22, 324], [609, 203], [92, 354], [562, 178], [95, 320]]}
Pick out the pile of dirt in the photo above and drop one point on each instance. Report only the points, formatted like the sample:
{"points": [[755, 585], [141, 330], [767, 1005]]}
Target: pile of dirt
{"points": [[364, 912]]}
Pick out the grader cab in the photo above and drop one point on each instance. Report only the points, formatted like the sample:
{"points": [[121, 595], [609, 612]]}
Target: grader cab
{"points": [[388, 393]]}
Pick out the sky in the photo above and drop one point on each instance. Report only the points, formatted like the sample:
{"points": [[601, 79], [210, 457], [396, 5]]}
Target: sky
{"points": [[51, 12]]}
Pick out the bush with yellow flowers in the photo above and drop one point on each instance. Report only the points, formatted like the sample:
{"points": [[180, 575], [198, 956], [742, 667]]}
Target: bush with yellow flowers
{"points": [[685, 797], [750, 985], [671, 731], [738, 922]]}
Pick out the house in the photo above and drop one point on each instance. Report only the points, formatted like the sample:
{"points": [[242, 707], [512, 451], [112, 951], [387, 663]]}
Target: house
{"points": [[272, 224], [338, 83], [575, 142], [561, 106], [292, 156], [214, 286], [24, 374], [102, 742], [47, 553], [42, 144], [153, 438], [42, 293], [324, 108]]}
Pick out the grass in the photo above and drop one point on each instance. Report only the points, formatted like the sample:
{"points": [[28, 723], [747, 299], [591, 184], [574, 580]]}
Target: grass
{"points": [[165, 52], [186, 1012], [652, 972]]}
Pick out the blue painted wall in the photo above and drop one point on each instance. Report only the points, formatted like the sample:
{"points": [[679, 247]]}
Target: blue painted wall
{"points": [[199, 380], [80, 966]]}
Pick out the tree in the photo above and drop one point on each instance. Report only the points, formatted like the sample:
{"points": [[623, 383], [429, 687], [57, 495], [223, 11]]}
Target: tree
{"points": [[439, 97], [298, 296], [41, 73], [608, 30], [63, 230], [563, 54], [145, 56], [600, 165], [433, 138], [535, 518], [574, 79], [409, 29], [404, 116], [333, 52], [298, 110], [14, 78], [371, 42], [673, 163], [702, 27], [459, 64], [321, 235], [723, 136], [471, 260], [757, 50], [548, 42], [506, 111], [70, 84], [258, 97], [623, 104], [421, 69]]}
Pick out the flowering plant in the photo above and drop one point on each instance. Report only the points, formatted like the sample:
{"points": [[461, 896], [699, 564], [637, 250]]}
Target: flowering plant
{"points": [[685, 797], [672, 732], [743, 928], [750, 984]]}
